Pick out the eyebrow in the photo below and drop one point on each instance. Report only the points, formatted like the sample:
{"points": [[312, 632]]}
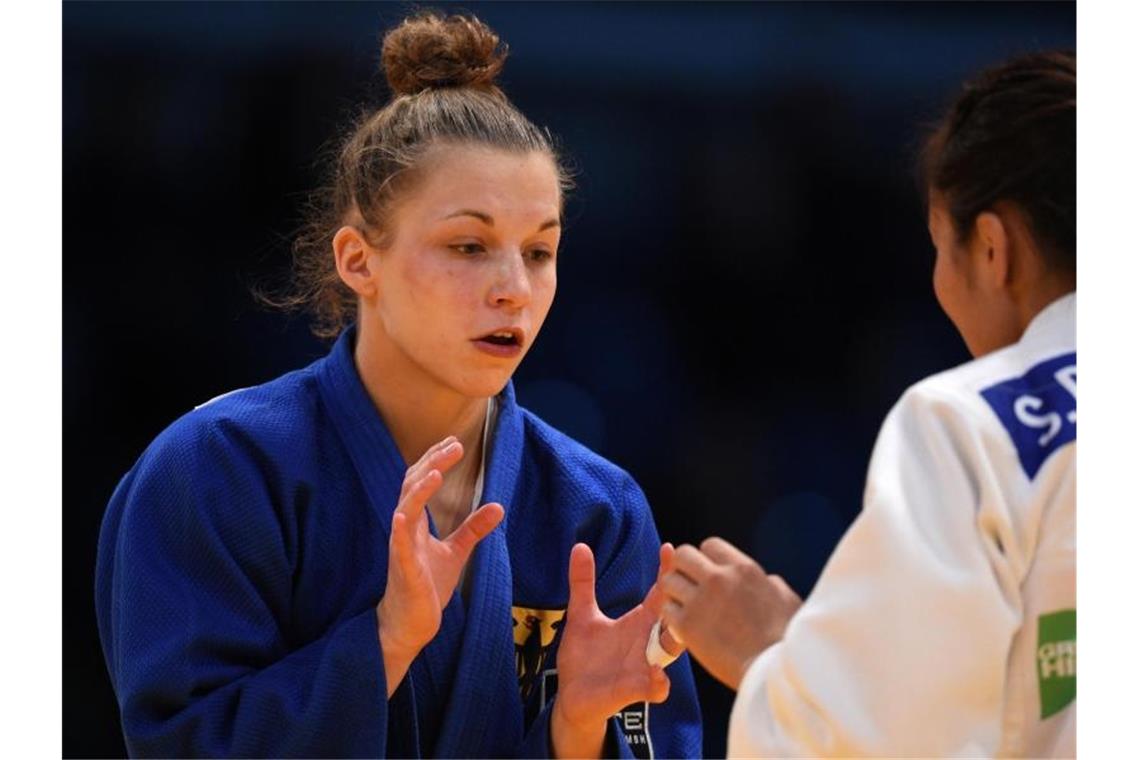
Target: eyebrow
{"points": [[488, 220]]}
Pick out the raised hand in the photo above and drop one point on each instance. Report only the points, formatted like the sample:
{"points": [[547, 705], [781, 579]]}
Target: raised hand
{"points": [[601, 663], [725, 607], [422, 569]]}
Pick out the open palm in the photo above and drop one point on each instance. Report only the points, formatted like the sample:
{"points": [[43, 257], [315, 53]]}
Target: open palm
{"points": [[423, 570], [601, 661]]}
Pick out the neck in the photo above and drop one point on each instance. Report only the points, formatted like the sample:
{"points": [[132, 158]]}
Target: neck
{"points": [[418, 410]]}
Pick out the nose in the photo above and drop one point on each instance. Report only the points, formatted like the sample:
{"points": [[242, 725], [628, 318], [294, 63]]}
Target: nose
{"points": [[511, 287]]}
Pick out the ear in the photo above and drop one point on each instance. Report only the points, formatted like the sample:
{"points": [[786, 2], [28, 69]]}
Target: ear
{"points": [[992, 242], [353, 255]]}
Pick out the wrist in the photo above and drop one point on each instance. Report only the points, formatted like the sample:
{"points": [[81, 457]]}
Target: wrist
{"points": [[575, 738], [742, 669], [394, 635], [396, 654]]}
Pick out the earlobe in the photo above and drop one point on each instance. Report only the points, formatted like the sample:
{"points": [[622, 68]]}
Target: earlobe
{"points": [[993, 238], [353, 252]]}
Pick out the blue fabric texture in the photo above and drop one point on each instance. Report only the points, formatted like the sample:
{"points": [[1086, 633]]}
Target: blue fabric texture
{"points": [[242, 557]]}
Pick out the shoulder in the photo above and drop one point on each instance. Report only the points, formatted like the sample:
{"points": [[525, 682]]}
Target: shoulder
{"points": [[271, 414], [1021, 397], [263, 431], [1040, 369], [222, 475]]}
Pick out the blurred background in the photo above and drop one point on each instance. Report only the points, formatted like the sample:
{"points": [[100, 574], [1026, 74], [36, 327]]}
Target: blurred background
{"points": [[744, 278]]}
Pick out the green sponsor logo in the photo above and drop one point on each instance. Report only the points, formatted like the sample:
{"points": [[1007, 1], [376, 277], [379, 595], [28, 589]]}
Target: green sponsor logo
{"points": [[1057, 660]]}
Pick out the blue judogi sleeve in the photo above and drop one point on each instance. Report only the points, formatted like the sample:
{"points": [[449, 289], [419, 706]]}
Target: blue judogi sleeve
{"points": [[194, 579]]}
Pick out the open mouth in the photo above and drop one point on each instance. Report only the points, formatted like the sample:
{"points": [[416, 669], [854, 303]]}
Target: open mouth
{"points": [[503, 338], [504, 344]]}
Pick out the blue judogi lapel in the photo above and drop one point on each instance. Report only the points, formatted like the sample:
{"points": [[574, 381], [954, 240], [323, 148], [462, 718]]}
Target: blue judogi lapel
{"points": [[470, 664], [485, 696], [370, 446]]}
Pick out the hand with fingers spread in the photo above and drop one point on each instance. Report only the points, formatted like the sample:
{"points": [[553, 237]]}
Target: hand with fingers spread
{"points": [[601, 662], [725, 607], [422, 569]]}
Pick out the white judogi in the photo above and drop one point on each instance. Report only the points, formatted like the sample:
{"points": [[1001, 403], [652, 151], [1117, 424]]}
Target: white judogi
{"points": [[945, 622]]}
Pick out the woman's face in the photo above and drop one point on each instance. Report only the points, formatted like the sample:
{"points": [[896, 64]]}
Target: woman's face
{"points": [[469, 275]]}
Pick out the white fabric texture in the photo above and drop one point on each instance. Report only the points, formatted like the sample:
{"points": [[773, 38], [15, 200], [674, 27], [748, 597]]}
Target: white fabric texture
{"points": [[921, 635]]}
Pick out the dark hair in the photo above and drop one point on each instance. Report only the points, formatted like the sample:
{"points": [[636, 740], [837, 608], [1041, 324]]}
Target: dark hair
{"points": [[441, 71], [1011, 135]]}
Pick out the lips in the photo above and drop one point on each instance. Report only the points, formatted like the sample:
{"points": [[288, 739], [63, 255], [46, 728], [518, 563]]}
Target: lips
{"points": [[505, 342]]}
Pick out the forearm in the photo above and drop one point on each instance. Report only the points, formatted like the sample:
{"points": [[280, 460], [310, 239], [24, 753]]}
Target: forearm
{"points": [[320, 700]]}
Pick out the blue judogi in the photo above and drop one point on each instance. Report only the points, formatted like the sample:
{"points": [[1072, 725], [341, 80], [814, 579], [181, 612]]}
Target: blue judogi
{"points": [[242, 558]]}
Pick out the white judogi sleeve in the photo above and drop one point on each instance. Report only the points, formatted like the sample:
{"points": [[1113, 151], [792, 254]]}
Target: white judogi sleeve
{"points": [[901, 649]]}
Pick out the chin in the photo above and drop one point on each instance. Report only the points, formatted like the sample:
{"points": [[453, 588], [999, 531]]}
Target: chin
{"points": [[484, 384]]}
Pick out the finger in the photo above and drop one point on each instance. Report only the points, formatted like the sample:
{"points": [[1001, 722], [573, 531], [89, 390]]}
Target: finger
{"points": [[783, 589], [417, 467], [441, 458], [678, 588], [648, 685], [654, 598], [671, 614], [412, 505], [658, 685], [670, 642], [655, 654], [437, 446], [403, 552], [474, 529], [581, 582], [689, 560], [665, 559], [724, 553]]}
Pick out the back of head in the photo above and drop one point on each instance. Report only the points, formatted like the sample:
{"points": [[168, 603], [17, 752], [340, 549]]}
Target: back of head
{"points": [[441, 71], [1011, 135]]}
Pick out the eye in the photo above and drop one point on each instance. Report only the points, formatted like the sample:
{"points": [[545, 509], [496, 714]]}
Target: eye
{"points": [[539, 255], [468, 249]]}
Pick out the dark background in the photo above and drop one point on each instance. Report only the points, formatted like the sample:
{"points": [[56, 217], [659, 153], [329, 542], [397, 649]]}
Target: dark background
{"points": [[744, 279]]}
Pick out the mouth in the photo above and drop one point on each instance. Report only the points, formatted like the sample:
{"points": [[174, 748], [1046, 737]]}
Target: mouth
{"points": [[507, 342]]}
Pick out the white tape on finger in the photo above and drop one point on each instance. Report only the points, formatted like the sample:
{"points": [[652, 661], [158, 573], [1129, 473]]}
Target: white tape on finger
{"points": [[655, 654]]}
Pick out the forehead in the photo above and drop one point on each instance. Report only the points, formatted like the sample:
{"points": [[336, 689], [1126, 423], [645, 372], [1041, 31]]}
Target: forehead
{"points": [[495, 181]]}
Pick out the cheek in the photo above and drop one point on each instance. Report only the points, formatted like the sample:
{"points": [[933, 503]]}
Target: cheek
{"points": [[543, 287], [947, 284], [429, 282]]}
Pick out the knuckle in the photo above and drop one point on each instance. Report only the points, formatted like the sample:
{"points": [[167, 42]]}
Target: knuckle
{"points": [[720, 579], [751, 573]]}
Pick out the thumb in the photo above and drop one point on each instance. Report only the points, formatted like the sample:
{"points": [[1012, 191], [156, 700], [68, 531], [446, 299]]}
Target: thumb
{"points": [[655, 599], [784, 591], [666, 556], [582, 599]]}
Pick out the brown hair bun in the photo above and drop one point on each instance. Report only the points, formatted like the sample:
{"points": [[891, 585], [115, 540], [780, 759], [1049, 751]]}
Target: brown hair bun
{"points": [[430, 50]]}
